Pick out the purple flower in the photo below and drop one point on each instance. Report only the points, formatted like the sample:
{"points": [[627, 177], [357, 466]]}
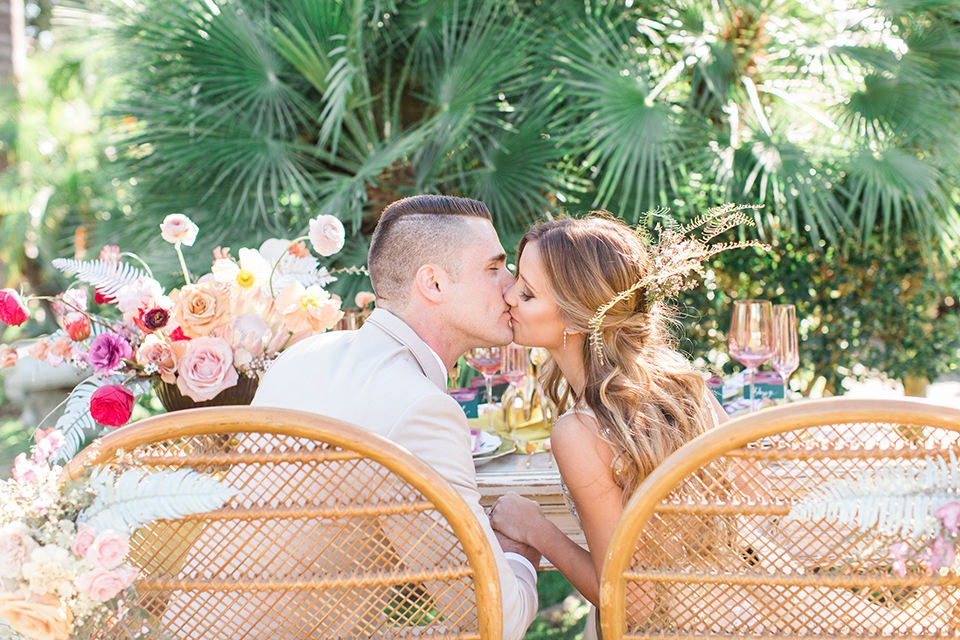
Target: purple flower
{"points": [[949, 514], [107, 351], [941, 554]]}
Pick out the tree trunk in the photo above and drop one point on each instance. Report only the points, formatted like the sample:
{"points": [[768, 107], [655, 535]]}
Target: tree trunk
{"points": [[13, 59]]}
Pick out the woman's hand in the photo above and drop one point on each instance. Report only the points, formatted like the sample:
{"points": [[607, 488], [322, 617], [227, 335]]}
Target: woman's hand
{"points": [[516, 517]]}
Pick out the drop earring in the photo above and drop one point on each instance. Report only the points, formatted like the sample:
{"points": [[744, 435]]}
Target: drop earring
{"points": [[565, 338]]}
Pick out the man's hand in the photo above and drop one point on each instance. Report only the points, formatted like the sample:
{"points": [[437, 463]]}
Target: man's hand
{"points": [[509, 545]]}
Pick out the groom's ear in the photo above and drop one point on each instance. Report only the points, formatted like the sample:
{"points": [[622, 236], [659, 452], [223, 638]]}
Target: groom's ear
{"points": [[430, 282]]}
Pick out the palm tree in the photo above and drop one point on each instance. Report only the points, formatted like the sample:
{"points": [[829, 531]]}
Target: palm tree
{"points": [[253, 115]]}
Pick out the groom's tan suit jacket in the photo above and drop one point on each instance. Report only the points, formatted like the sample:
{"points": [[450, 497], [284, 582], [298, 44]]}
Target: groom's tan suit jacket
{"points": [[386, 379]]}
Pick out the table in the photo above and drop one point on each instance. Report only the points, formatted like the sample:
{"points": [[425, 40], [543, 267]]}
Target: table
{"points": [[541, 482]]}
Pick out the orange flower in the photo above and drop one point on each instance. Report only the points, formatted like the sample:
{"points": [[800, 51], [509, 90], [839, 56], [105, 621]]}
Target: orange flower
{"points": [[38, 616]]}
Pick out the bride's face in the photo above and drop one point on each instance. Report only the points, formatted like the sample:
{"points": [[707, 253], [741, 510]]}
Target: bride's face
{"points": [[534, 314]]}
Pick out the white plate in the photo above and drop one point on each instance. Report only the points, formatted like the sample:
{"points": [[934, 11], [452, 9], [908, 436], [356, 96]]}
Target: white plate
{"points": [[504, 449], [488, 444]]}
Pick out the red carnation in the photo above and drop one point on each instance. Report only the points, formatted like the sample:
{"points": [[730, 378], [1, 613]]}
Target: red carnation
{"points": [[13, 311], [77, 326], [111, 405]]}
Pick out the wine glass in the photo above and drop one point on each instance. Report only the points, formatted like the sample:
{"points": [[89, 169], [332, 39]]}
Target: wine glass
{"points": [[751, 337], [786, 353], [515, 363], [486, 360]]}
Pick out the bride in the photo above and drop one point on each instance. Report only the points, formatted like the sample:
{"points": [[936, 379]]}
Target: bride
{"points": [[629, 399]]}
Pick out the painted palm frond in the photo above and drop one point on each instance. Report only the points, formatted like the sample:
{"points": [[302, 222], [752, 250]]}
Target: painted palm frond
{"points": [[107, 277], [137, 497], [896, 501], [76, 423]]}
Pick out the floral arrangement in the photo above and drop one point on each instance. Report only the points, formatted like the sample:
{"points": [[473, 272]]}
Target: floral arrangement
{"points": [[203, 338], [912, 514], [64, 544]]}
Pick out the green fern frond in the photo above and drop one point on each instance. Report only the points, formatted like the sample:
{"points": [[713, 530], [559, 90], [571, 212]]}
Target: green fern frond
{"points": [[108, 277], [138, 497], [897, 501]]}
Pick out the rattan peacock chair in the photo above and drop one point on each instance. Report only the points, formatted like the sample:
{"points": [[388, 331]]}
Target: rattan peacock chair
{"points": [[780, 524], [335, 532]]}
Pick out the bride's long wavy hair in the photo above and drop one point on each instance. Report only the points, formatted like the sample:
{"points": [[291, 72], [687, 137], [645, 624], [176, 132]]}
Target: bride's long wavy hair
{"points": [[648, 400]]}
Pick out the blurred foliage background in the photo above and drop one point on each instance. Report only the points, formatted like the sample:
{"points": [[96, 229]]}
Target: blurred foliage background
{"points": [[252, 116]]}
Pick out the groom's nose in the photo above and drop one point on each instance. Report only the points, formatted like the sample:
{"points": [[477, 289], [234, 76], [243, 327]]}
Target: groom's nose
{"points": [[506, 280]]}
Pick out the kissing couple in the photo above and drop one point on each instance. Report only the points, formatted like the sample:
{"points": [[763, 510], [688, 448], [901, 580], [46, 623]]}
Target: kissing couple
{"points": [[583, 293]]}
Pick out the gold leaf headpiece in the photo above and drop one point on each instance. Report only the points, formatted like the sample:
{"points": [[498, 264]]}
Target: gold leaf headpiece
{"points": [[676, 256]]}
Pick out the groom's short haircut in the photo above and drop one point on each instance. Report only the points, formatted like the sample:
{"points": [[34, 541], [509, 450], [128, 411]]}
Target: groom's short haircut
{"points": [[414, 231]]}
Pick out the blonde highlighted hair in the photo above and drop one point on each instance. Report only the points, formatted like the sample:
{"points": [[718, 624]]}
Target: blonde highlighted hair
{"points": [[648, 400]]}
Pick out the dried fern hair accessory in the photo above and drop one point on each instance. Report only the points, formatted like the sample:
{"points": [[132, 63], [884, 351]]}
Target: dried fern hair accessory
{"points": [[677, 255]]}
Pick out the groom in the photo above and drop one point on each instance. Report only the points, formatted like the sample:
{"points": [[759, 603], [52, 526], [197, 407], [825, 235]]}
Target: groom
{"points": [[439, 272]]}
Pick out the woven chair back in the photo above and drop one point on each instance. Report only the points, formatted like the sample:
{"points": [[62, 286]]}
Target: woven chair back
{"points": [[335, 533], [716, 542]]}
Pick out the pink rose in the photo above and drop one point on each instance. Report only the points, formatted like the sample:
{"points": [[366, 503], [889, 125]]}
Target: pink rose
{"points": [[178, 228], [326, 235], [25, 471], [364, 298], [49, 441], [110, 253], [8, 357], [102, 584], [142, 293], [13, 310], [157, 352], [84, 538], [206, 368], [38, 616], [15, 545], [111, 405], [108, 549]]}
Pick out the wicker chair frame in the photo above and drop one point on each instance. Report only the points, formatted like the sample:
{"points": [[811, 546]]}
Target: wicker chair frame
{"points": [[457, 559], [862, 601]]}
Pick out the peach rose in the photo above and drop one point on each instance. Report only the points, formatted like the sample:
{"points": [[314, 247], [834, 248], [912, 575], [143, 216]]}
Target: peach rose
{"points": [[308, 309], [199, 309], [178, 228], [15, 545], [364, 298], [39, 616], [102, 584], [206, 368], [157, 352], [108, 549], [326, 235], [85, 537], [8, 357]]}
